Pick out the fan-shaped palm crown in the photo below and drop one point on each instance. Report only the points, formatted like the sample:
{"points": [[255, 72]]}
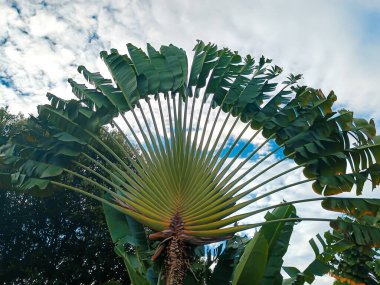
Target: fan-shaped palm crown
{"points": [[194, 168]]}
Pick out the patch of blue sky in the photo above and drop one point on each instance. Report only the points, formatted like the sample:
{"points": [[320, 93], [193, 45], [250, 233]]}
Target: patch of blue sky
{"points": [[15, 6], [235, 151], [213, 250], [44, 4], [93, 37], [371, 25], [366, 19], [6, 81], [3, 40], [272, 146], [241, 143], [248, 150], [9, 83]]}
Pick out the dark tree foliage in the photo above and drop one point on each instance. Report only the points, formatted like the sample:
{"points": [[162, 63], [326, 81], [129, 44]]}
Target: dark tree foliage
{"points": [[60, 239]]}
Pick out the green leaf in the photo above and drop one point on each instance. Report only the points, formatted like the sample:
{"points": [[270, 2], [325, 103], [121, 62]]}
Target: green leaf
{"points": [[166, 76], [125, 232], [196, 67], [360, 233], [144, 68], [6, 181], [226, 262], [125, 77], [176, 62], [278, 237], [316, 267], [252, 263], [356, 207]]}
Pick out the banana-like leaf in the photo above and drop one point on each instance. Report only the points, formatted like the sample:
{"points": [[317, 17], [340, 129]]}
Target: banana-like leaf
{"points": [[278, 237], [252, 263], [227, 261], [318, 267], [361, 234], [296, 276], [130, 243], [274, 240]]}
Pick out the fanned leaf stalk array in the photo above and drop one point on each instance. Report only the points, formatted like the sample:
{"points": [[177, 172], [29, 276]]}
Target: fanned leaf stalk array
{"points": [[191, 174]]}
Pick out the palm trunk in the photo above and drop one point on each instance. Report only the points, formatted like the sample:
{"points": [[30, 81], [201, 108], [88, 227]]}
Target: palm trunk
{"points": [[176, 261]]}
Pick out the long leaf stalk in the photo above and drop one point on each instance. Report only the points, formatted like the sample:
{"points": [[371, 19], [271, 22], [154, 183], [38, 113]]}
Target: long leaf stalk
{"points": [[194, 143], [154, 179], [152, 138], [223, 210], [241, 165], [147, 143], [220, 160], [183, 133], [206, 166], [157, 225], [206, 147], [220, 163], [155, 197], [141, 182], [280, 189], [148, 152], [189, 143], [139, 206], [130, 190], [169, 155], [167, 144], [162, 162], [217, 188], [140, 158], [210, 165], [158, 137], [268, 180], [228, 199], [218, 223], [176, 136], [235, 229], [197, 149], [210, 183], [219, 191], [190, 155], [170, 185], [285, 204], [241, 186], [172, 133]]}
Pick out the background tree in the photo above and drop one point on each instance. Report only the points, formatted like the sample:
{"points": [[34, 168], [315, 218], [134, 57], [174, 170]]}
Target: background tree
{"points": [[49, 240]]}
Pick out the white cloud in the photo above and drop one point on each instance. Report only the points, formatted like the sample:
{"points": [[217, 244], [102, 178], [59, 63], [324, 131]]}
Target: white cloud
{"points": [[323, 39], [43, 24]]}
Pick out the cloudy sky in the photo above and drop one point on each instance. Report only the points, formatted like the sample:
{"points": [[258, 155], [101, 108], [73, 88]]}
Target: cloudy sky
{"points": [[334, 44]]}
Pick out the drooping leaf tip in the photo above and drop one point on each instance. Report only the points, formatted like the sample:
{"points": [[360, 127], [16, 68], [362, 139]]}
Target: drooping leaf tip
{"points": [[81, 68], [103, 54]]}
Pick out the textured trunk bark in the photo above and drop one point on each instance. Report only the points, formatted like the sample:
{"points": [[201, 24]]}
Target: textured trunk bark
{"points": [[176, 262]]}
